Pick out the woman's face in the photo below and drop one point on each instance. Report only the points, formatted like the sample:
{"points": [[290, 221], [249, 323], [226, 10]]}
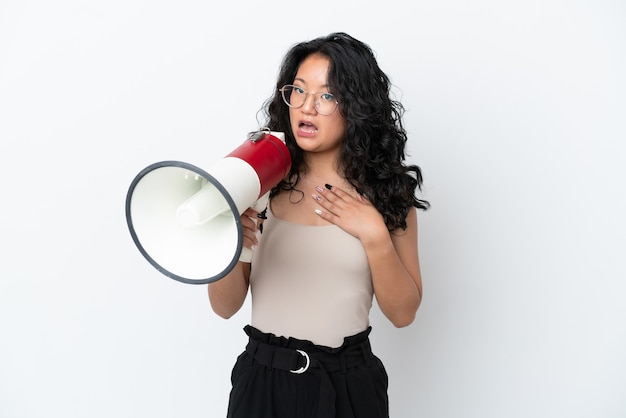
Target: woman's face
{"points": [[314, 132]]}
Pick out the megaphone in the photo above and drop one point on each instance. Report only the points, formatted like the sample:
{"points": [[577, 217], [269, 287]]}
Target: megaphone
{"points": [[187, 221]]}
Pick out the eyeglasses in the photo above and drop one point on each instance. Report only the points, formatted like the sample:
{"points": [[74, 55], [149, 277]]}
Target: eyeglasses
{"points": [[294, 96]]}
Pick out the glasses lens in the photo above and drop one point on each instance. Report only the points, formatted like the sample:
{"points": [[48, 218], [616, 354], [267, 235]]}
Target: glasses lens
{"points": [[286, 92], [326, 104], [293, 96]]}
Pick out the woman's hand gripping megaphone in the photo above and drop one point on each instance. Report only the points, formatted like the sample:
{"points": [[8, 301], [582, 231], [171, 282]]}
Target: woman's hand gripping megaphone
{"points": [[252, 222]]}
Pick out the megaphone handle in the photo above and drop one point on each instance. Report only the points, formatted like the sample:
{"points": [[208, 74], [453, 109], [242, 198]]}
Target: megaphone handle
{"points": [[260, 205]]}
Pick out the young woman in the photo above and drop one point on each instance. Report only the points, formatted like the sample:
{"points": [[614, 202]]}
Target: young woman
{"points": [[341, 228]]}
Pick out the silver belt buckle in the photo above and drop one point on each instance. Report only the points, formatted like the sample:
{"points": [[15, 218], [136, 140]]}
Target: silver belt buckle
{"points": [[306, 366]]}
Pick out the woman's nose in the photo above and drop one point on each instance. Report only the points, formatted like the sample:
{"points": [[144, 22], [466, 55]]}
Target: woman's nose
{"points": [[309, 105]]}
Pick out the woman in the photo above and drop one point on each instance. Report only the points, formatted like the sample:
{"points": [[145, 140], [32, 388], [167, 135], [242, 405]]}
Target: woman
{"points": [[341, 228]]}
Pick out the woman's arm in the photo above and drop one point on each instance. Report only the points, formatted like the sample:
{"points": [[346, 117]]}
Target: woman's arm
{"points": [[228, 294], [394, 263]]}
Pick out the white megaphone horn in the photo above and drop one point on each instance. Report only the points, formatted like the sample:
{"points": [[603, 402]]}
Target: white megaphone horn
{"points": [[187, 222]]}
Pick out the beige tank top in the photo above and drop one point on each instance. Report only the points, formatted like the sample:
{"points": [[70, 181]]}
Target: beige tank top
{"points": [[310, 282]]}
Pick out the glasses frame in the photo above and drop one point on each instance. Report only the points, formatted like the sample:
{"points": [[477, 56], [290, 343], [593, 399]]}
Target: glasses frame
{"points": [[316, 98]]}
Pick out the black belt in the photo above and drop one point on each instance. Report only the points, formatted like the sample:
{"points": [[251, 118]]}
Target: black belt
{"points": [[299, 361]]}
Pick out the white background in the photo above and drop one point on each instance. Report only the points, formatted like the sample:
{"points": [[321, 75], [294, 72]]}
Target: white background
{"points": [[515, 112]]}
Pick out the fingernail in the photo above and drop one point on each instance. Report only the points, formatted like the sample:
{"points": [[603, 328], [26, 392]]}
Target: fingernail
{"points": [[316, 197], [328, 186], [319, 189], [319, 212]]}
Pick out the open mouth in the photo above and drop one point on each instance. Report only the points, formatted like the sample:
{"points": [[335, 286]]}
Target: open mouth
{"points": [[307, 127]]}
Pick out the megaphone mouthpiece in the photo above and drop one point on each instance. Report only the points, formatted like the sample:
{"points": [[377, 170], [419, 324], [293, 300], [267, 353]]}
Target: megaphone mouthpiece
{"points": [[201, 207]]}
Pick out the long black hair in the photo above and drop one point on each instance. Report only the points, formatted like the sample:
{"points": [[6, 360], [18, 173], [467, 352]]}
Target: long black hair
{"points": [[373, 151]]}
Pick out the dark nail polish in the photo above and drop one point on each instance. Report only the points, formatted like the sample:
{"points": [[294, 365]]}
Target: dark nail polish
{"points": [[328, 186]]}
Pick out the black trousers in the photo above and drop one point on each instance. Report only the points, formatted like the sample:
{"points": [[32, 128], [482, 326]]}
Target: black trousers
{"points": [[278, 377]]}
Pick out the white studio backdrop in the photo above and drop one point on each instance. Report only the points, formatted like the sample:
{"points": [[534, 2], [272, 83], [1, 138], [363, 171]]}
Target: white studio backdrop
{"points": [[515, 112]]}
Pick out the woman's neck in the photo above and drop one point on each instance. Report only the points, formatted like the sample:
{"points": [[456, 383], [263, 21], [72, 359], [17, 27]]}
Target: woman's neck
{"points": [[323, 167]]}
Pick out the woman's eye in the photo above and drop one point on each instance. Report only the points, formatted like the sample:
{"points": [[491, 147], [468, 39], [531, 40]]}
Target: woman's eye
{"points": [[327, 97]]}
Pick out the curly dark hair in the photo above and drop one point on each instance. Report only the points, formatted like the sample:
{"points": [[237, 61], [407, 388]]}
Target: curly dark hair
{"points": [[373, 151]]}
